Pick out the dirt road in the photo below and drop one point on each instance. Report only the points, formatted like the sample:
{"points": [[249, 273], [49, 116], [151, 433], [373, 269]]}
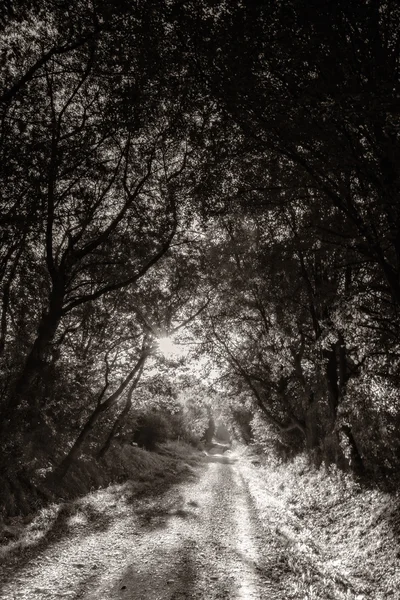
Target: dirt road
{"points": [[202, 539]]}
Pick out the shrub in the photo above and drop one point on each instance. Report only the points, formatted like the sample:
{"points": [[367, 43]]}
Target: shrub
{"points": [[267, 440], [155, 427], [152, 428]]}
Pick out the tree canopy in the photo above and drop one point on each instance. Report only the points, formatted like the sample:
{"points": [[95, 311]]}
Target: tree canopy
{"points": [[223, 171]]}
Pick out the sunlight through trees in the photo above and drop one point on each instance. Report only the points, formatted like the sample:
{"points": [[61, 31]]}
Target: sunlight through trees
{"points": [[206, 191]]}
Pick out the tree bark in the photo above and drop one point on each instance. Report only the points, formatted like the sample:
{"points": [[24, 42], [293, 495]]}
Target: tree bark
{"points": [[311, 421], [118, 421], [35, 362], [356, 460], [101, 407], [332, 384]]}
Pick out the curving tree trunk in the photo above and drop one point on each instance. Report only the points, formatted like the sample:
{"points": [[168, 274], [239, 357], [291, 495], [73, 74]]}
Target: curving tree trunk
{"points": [[101, 407], [120, 419]]}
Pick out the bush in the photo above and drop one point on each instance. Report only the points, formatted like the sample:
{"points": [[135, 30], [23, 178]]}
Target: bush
{"points": [[152, 428], [159, 426], [277, 445]]}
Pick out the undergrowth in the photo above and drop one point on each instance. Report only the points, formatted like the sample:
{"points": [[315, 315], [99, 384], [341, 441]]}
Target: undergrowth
{"points": [[342, 536], [31, 512]]}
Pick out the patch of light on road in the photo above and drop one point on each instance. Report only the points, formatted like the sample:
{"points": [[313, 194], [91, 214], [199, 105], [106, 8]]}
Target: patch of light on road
{"points": [[246, 550]]}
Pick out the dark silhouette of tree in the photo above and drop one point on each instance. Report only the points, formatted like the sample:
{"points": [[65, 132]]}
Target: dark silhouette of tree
{"points": [[222, 168]]}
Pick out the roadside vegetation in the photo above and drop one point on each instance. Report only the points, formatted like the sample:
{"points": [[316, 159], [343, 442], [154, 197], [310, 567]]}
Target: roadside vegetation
{"points": [[341, 536], [153, 443], [133, 471], [199, 215]]}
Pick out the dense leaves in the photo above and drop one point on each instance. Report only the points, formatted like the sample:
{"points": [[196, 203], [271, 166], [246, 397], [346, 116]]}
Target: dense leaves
{"points": [[221, 172]]}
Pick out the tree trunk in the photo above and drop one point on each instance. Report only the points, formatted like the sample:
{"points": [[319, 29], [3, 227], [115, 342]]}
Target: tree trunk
{"points": [[332, 384], [74, 452], [356, 461], [209, 433], [29, 379], [22, 424], [311, 422], [117, 423], [119, 420]]}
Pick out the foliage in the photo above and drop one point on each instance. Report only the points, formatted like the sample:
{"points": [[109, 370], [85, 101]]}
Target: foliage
{"points": [[221, 172], [328, 519]]}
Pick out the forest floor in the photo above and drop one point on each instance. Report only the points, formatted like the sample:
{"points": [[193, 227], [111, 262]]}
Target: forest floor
{"points": [[231, 528]]}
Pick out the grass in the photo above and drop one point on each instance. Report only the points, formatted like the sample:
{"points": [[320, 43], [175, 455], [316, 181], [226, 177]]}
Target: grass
{"points": [[128, 471], [342, 538]]}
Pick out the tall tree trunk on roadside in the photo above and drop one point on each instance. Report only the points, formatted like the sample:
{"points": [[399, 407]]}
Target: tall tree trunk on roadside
{"points": [[101, 407], [119, 420], [311, 423], [309, 400], [336, 376], [209, 433], [18, 425], [5, 303], [356, 460], [35, 363], [332, 383]]}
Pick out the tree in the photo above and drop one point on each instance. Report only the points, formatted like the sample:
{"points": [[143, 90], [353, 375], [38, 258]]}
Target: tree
{"points": [[226, 172], [99, 156]]}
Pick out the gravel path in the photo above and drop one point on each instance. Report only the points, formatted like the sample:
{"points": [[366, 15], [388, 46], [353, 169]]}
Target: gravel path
{"points": [[201, 539]]}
